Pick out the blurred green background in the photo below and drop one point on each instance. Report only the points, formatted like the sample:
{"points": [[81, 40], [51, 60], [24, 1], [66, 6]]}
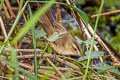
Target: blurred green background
{"points": [[109, 25]]}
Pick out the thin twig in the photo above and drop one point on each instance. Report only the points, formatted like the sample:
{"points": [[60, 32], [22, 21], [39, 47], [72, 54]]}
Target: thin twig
{"points": [[28, 56], [57, 70], [25, 66], [24, 50], [104, 45], [2, 77], [85, 32], [106, 13], [3, 27], [6, 11], [9, 8], [59, 19], [23, 12], [67, 63]]}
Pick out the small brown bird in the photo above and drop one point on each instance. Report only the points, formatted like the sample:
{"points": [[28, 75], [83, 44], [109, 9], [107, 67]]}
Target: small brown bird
{"points": [[66, 44]]}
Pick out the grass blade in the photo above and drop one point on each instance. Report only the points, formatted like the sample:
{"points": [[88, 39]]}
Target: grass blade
{"points": [[13, 26], [32, 21], [1, 4], [34, 45], [92, 41], [14, 60]]}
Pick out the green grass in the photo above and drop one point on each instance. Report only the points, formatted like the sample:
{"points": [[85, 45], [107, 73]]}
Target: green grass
{"points": [[93, 39], [1, 4], [30, 24], [34, 44], [84, 65]]}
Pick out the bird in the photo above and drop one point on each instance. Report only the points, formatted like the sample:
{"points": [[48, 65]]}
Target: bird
{"points": [[65, 44]]}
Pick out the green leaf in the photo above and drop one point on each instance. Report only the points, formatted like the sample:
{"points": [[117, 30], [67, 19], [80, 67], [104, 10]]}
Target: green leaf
{"points": [[88, 42], [106, 67], [79, 40], [95, 54], [55, 36], [39, 33]]}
